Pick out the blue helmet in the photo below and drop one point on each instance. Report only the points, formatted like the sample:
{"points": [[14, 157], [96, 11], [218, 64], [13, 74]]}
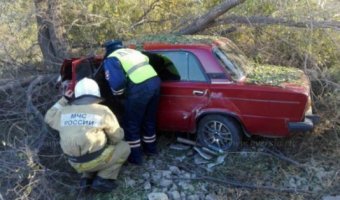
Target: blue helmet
{"points": [[112, 45]]}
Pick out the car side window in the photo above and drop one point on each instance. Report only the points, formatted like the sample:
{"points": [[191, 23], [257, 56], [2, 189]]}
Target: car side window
{"points": [[179, 59], [186, 64], [195, 72]]}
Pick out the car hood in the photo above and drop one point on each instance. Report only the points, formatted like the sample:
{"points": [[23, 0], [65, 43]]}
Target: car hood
{"points": [[278, 76]]}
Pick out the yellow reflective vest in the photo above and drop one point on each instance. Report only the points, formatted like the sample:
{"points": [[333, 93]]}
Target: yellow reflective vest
{"points": [[135, 64]]}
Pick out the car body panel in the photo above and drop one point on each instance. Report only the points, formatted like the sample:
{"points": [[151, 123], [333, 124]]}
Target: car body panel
{"points": [[178, 104]]}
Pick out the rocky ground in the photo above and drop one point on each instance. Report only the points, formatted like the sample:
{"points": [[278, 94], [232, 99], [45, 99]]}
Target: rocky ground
{"points": [[255, 172]]}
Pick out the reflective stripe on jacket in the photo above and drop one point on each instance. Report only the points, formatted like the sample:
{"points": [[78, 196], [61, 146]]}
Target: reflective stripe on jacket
{"points": [[83, 128], [135, 64]]}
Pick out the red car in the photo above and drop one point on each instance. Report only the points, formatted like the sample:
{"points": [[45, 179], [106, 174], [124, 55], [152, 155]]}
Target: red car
{"points": [[210, 88]]}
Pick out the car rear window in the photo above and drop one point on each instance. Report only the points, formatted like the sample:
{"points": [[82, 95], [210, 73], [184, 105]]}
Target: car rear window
{"points": [[231, 61]]}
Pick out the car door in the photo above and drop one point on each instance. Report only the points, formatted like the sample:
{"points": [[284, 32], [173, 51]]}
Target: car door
{"points": [[182, 99]]}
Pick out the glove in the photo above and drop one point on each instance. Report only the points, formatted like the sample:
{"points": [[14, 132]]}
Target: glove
{"points": [[68, 95]]}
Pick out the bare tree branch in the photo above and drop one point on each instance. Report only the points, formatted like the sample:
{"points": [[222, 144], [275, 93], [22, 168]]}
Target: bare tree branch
{"points": [[230, 183], [205, 20], [142, 19], [225, 181], [32, 109], [17, 83], [263, 20]]}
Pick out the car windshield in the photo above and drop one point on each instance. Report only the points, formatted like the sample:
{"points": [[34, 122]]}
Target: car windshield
{"points": [[232, 59]]}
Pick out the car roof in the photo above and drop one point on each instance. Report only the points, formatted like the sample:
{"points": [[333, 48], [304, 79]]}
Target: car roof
{"points": [[168, 41]]}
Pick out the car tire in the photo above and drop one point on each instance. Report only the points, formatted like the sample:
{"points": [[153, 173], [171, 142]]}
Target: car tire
{"points": [[219, 133]]}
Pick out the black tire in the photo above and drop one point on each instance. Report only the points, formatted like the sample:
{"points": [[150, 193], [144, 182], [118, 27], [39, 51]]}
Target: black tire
{"points": [[219, 133]]}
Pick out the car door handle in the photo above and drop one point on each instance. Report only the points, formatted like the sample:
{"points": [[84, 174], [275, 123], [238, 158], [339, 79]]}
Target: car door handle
{"points": [[199, 92]]}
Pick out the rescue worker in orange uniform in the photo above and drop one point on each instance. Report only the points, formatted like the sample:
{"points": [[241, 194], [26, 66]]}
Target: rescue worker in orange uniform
{"points": [[90, 136]]}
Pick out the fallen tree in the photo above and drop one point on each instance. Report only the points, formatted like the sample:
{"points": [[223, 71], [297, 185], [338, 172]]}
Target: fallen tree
{"points": [[265, 20]]}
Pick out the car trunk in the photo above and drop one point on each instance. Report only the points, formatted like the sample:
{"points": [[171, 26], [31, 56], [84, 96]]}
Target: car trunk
{"points": [[73, 70], [285, 77]]}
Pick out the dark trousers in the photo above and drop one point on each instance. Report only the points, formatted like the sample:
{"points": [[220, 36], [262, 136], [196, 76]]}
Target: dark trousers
{"points": [[140, 117]]}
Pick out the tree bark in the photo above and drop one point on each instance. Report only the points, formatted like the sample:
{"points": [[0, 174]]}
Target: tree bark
{"points": [[205, 20], [50, 32]]}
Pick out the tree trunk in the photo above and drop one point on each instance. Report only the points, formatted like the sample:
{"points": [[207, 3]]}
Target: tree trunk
{"points": [[50, 32], [205, 20]]}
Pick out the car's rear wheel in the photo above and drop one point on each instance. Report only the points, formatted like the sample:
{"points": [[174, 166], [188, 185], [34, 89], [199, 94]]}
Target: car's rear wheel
{"points": [[219, 133]]}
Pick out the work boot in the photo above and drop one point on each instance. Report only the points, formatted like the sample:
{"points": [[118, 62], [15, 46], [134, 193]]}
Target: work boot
{"points": [[150, 149], [85, 183], [103, 185], [151, 153], [135, 161], [136, 156]]}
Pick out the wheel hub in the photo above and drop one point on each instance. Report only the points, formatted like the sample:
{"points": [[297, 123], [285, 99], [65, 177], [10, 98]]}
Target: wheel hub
{"points": [[218, 134]]}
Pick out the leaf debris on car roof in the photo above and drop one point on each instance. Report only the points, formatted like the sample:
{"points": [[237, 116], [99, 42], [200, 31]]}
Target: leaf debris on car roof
{"points": [[274, 75]]}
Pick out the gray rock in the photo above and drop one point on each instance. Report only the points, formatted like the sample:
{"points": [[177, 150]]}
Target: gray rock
{"points": [[150, 165], [193, 197], [166, 173], [129, 182], [158, 162], [201, 195], [211, 197], [155, 190], [157, 196], [183, 196], [331, 197], [174, 195], [183, 185], [174, 170], [147, 185], [146, 175], [173, 187], [156, 176], [165, 183], [191, 188], [187, 175], [186, 186]]}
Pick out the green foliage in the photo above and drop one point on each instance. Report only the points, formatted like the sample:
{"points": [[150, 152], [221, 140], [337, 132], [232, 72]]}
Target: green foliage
{"points": [[18, 33], [335, 72], [96, 21], [274, 75], [174, 39], [281, 45], [256, 7]]}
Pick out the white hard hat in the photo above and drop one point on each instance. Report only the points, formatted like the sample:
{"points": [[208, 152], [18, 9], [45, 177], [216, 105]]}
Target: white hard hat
{"points": [[86, 86]]}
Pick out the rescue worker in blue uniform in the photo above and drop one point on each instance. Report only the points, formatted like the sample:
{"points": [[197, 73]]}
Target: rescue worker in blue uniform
{"points": [[128, 71]]}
